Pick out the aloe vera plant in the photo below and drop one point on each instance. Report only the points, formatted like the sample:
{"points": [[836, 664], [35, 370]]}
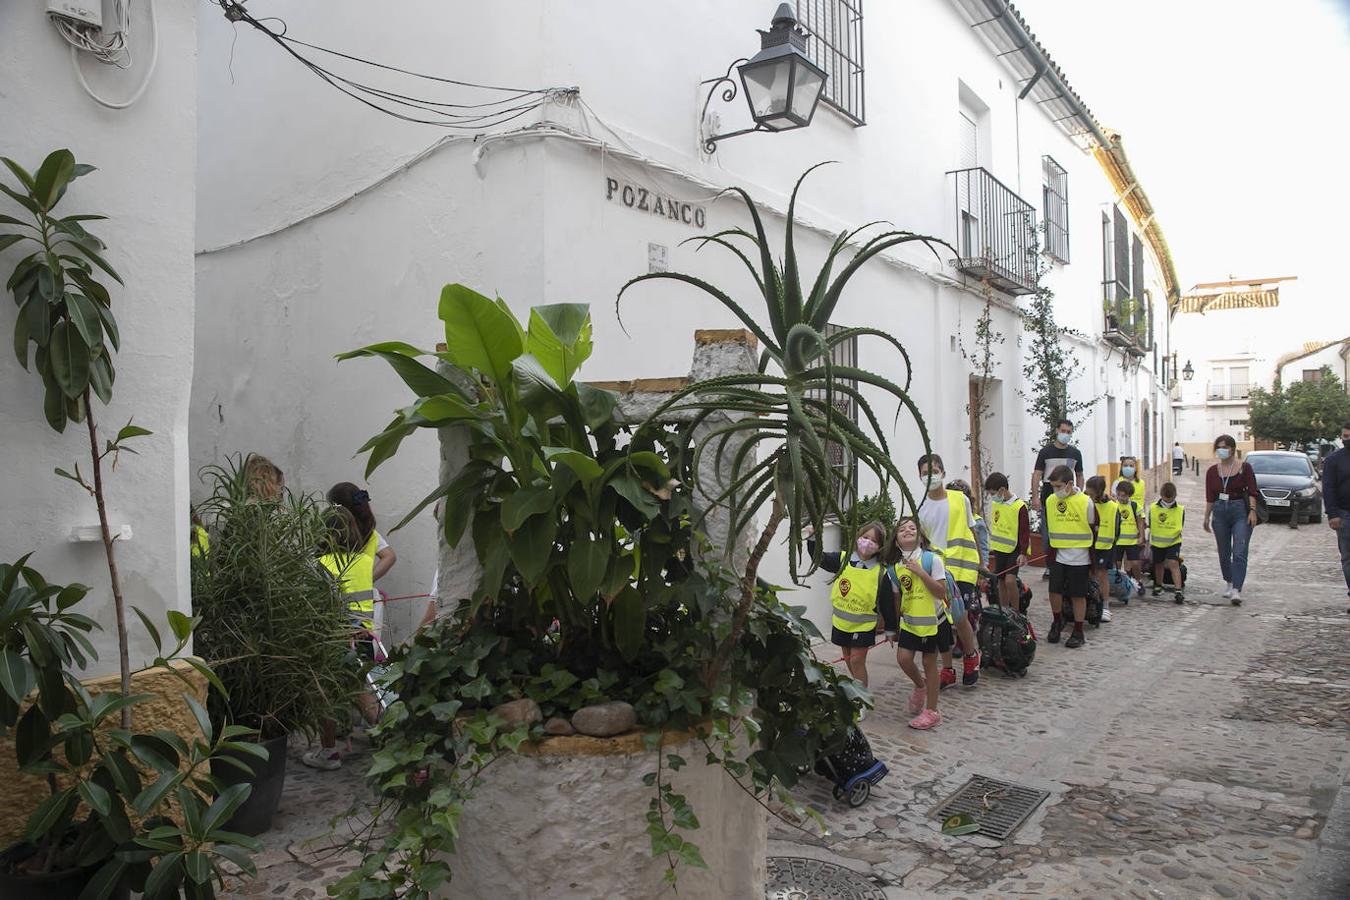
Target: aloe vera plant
{"points": [[773, 451]]}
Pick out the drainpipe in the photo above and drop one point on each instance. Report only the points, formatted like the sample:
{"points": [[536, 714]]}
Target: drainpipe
{"points": [[998, 9]]}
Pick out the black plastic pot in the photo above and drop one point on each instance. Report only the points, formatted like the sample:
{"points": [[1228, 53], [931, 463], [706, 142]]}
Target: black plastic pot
{"points": [[65, 885], [269, 777]]}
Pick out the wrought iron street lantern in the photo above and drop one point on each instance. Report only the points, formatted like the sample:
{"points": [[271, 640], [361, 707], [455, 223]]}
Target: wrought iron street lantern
{"points": [[782, 85], [1189, 372]]}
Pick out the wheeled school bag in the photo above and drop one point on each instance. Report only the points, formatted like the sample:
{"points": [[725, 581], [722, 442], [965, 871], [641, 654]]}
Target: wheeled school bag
{"points": [[992, 598], [1007, 640], [1094, 603], [1167, 575], [854, 769], [1121, 585]]}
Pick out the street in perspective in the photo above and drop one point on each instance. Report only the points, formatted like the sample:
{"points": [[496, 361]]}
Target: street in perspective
{"points": [[730, 450]]}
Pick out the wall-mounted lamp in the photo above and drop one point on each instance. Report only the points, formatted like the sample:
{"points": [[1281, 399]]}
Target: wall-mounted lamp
{"points": [[1189, 372], [782, 84]]}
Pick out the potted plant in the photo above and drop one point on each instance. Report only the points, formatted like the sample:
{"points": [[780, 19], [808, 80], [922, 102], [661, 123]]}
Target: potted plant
{"points": [[600, 603], [123, 811], [273, 627]]}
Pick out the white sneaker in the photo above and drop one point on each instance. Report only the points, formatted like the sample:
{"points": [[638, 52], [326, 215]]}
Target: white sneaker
{"points": [[1227, 591], [1106, 614], [327, 759]]}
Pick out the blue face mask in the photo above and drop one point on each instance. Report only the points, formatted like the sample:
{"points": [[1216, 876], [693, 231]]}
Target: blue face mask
{"points": [[1127, 471], [1224, 452]]}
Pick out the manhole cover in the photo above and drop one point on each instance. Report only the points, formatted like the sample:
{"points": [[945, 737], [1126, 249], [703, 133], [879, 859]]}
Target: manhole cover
{"points": [[999, 807], [798, 878]]}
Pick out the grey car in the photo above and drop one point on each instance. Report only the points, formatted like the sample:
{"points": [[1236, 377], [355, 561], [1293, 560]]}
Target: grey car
{"points": [[1288, 484]]}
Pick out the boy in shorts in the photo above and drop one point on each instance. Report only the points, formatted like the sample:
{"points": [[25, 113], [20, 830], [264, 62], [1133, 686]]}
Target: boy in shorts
{"points": [[1072, 520], [1009, 536]]}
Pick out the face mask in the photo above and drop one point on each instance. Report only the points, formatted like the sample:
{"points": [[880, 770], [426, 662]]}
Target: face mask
{"points": [[999, 498], [1064, 438], [1063, 493], [933, 481], [867, 548], [1224, 452], [1127, 471], [1168, 504]]}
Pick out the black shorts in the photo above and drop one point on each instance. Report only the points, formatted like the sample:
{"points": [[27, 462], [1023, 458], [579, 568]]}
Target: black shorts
{"points": [[1130, 553], [933, 643], [1068, 581], [1163, 554], [1005, 564], [1103, 559], [852, 638]]}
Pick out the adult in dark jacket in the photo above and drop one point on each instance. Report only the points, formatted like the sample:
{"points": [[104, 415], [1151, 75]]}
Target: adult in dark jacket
{"points": [[1336, 497]]}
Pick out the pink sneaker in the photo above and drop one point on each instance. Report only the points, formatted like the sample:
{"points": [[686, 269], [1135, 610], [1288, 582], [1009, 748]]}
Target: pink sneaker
{"points": [[917, 698], [926, 720]]}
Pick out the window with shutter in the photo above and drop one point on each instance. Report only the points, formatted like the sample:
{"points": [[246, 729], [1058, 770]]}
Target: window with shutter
{"points": [[1055, 194], [835, 42]]}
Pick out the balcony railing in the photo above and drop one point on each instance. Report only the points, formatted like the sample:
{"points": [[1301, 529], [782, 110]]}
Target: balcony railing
{"points": [[1125, 319], [996, 232], [1223, 392]]}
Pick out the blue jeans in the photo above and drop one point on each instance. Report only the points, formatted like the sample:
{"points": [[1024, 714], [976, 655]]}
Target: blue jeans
{"points": [[1343, 540], [1232, 533]]}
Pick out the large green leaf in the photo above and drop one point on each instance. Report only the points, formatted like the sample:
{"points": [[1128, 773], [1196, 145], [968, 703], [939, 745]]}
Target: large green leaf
{"points": [[560, 338], [597, 405], [422, 379], [479, 334], [84, 314], [587, 561], [53, 176], [531, 545], [69, 359], [586, 468], [16, 675], [630, 622], [531, 500]]}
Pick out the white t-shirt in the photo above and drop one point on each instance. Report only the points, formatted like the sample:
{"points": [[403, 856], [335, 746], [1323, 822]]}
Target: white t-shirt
{"points": [[1178, 453], [939, 572], [934, 516]]}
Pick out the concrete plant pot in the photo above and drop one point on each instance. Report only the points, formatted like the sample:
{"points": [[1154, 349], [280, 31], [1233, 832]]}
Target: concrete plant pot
{"points": [[566, 818]]}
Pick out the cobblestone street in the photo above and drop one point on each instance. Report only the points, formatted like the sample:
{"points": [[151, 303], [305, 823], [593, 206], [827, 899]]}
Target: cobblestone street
{"points": [[1189, 751]]}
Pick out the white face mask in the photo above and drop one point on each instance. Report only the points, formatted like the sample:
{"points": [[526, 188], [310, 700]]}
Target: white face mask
{"points": [[1167, 504], [933, 481], [1064, 493]]}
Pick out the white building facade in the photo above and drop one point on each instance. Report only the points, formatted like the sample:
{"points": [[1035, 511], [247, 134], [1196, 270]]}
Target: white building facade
{"points": [[324, 225]]}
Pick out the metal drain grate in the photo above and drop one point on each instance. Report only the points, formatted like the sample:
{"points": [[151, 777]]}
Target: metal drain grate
{"points": [[999, 807], [798, 878]]}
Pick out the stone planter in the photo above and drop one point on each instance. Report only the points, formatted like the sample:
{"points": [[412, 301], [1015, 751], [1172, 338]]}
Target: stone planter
{"points": [[566, 818]]}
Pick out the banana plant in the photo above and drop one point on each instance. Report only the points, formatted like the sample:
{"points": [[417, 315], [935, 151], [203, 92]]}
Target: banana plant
{"points": [[772, 430]]}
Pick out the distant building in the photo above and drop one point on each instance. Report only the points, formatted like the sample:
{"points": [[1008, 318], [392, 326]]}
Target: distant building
{"points": [[1307, 363], [1221, 341]]}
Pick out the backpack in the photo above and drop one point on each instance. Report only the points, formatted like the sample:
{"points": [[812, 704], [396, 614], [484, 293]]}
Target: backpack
{"points": [[926, 560], [1094, 603], [1167, 575], [1007, 640], [1122, 586]]}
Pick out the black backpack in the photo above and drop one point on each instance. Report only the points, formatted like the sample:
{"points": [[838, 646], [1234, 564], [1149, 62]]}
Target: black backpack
{"points": [[1007, 640], [1094, 603]]}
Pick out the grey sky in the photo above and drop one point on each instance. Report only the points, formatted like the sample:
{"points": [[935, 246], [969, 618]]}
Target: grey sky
{"points": [[1229, 114]]}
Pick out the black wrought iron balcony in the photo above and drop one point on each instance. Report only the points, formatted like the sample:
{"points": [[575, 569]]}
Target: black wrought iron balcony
{"points": [[996, 232], [1125, 319]]}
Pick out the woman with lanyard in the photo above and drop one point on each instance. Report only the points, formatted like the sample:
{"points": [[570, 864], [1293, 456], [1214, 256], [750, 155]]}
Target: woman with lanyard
{"points": [[1230, 513]]}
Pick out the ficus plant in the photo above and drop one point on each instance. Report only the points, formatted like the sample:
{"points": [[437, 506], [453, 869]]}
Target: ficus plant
{"points": [[776, 427], [595, 586], [65, 319]]}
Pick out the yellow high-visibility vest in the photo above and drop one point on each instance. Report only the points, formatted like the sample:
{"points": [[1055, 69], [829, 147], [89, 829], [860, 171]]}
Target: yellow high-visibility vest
{"points": [[920, 610], [201, 541], [1106, 524], [372, 546], [962, 555], [1068, 518], [1164, 524], [853, 596], [1129, 525], [355, 575], [1005, 527]]}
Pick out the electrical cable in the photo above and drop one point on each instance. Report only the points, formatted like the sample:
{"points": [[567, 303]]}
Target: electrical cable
{"points": [[114, 50]]}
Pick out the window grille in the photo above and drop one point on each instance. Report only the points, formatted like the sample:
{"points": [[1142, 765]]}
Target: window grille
{"points": [[835, 43], [1055, 196]]}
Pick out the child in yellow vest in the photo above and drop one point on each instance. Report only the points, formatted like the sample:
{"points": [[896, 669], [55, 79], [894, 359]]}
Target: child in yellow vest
{"points": [[858, 594], [1104, 549], [925, 624], [1166, 517], [1072, 521]]}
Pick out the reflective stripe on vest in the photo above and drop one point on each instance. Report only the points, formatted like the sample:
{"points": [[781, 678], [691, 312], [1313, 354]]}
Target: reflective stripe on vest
{"points": [[1106, 524], [1129, 527], [1068, 518], [1164, 525], [1006, 526], [853, 597], [918, 607], [962, 555]]}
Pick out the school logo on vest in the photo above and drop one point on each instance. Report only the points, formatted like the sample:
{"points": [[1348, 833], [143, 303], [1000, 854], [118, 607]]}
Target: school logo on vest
{"points": [[1063, 507], [906, 583], [1162, 518], [997, 513], [844, 587]]}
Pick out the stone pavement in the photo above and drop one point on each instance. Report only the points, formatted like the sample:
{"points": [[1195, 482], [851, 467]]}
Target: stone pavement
{"points": [[1189, 751]]}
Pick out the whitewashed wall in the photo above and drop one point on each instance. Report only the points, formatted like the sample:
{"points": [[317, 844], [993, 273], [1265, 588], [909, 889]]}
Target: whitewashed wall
{"points": [[145, 184], [526, 215]]}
